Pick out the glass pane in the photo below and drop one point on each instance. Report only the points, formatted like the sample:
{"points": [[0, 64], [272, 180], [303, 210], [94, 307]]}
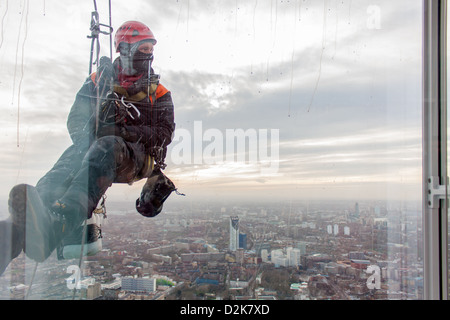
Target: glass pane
{"points": [[297, 145]]}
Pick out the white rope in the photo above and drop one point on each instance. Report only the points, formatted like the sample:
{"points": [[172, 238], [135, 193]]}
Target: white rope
{"points": [[32, 280], [95, 29]]}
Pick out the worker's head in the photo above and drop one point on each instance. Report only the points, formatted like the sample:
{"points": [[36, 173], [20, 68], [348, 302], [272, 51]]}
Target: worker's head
{"points": [[135, 41]]}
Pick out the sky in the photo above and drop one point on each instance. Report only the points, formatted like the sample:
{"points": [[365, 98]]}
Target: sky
{"points": [[326, 93]]}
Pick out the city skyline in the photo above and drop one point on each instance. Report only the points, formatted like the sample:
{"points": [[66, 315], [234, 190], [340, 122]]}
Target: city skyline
{"points": [[291, 255]]}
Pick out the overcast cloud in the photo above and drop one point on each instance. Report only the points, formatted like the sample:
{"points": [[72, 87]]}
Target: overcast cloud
{"points": [[339, 80]]}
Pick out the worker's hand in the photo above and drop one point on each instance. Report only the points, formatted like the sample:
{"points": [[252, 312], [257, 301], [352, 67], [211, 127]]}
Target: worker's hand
{"points": [[107, 131], [129, 134]]}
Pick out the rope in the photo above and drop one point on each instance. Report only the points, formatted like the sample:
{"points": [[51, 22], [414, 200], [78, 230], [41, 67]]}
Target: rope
{"points": [[110, 34], [32, 280], [3, 23], [95, 32], [22, 75], [83, 237], [15, 73]]}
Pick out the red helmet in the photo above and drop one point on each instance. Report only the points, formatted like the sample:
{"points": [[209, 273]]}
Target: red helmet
{"points": [[133, 32]]}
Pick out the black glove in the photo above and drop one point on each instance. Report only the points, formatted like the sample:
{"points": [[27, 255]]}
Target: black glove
{"points": [[129, 133], [104, 131]]}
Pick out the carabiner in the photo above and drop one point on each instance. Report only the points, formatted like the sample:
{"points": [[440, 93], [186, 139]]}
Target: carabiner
{"points": [[129, 106]]}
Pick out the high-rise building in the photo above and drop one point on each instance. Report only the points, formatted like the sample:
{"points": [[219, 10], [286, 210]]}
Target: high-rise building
{"points": [[242, 240], [336, 229], [293, 255], [234, 233], [278, 258]]}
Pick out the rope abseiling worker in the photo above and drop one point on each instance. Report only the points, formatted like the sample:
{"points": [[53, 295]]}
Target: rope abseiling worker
{"points": [[120, 124]]}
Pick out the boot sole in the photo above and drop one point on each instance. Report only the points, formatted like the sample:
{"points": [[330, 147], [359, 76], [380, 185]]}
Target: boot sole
{"points": [[22, 203], [18, 204]]}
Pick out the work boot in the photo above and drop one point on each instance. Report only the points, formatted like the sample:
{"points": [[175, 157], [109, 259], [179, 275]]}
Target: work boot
{"points": [[44, 229], [73, 246], [17, 204], [11, 243], [155, 191]]}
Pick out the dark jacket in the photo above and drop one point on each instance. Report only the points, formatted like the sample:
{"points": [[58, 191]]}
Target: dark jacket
{"points": [[153, 129]]}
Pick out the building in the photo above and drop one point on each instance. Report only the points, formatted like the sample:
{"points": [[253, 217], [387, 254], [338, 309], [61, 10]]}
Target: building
{"points": [[234, 233], [93, 291], [162, 258], [265, 255], [355, 255], [202, 257], [279, 259], [240, 255], [293, 255], [138, 284], [242, 241], [360, 264]]}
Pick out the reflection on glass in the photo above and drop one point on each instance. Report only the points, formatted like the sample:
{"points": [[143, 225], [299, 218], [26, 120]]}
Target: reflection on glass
{"points": [[299, 120]]}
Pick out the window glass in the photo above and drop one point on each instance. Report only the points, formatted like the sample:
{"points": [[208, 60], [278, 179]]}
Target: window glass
{"points": [[297, 146]]}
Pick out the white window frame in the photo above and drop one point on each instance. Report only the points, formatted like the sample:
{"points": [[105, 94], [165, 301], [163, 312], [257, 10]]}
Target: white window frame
{"points": [[435, 181]]}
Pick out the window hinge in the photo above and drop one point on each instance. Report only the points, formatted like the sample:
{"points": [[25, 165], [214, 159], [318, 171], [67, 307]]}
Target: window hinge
{"points": [[436, 192]]}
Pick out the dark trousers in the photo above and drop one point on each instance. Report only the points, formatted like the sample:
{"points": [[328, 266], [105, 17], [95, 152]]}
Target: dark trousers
{"points": [[80, 180]]}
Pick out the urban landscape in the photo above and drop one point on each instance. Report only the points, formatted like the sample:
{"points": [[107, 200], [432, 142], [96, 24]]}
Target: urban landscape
{"points": [[320, 250]]}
